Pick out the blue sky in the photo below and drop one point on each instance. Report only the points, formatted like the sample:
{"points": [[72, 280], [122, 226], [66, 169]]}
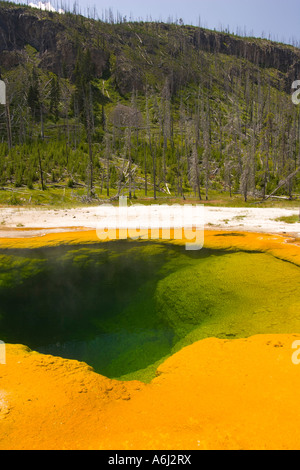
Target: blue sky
{"points": [[279, 18]]}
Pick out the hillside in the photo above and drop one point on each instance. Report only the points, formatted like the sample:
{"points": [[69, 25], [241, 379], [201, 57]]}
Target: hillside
{"points": [[143, 109]]}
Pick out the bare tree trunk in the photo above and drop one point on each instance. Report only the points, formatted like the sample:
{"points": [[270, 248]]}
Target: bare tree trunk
{"points": [[88, 111], [145, 169], [8, 127], [154, 171], [42, 122], [90, 181], [41, 170], [107, 151], [130, 165]]}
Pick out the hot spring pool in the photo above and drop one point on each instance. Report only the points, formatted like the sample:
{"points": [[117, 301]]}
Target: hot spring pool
{"points": [[123, 307]]}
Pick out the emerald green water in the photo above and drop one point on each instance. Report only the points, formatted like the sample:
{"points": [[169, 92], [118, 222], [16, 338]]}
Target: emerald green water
{"points": [[124, 307]]}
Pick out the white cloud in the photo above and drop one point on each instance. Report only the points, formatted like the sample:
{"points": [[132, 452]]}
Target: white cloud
{"points": [[45, 7]]}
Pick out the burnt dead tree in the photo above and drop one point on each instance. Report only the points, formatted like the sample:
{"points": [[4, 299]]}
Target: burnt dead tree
{"points": [[127, 119]]}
